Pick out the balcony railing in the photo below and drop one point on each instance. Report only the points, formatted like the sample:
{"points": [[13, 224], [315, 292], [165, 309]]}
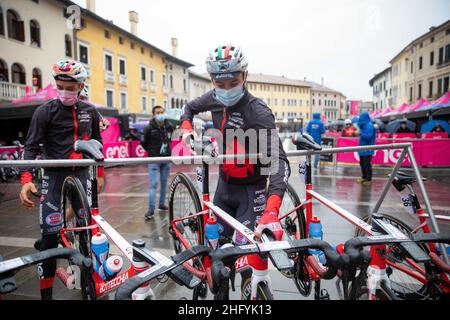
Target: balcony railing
{"points": [[109, 76], [443, 63], [88, 70], [13, 91], [153, 87], [123, 80], [144, 85]]}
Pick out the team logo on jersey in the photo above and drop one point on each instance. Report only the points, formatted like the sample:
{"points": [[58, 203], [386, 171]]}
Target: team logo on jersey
{"points": [[54, 219]]}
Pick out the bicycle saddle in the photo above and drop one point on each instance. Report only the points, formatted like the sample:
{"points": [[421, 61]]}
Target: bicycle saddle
{"points": [[305, 142], [405, 178], [91, 148]]}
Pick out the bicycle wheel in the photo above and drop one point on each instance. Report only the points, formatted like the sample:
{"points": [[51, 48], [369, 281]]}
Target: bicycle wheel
{"points": [[184, 201], [73, 195], [262, 291], [9, 174], [363, 294], [294, 227], [403, 285]]}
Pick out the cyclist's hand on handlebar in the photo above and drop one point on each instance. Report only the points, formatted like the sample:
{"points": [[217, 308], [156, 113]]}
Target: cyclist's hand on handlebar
{"points": [[269, 219], [188, 134], [27, 188]]}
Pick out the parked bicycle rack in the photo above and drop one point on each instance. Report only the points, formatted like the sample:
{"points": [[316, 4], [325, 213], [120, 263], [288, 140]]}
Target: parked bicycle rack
{"points": [[405, 147]]}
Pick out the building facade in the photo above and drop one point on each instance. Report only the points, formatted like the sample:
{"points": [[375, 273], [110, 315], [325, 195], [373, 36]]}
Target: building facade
{"points": [[288, 98], [178, 85], [328, 102], [198, 85], [33, 36], [382, 90], [125, 72], [422, 69]]}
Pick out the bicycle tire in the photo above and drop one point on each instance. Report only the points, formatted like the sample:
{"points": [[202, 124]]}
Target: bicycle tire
{"points": [[262, 291], [362, 294], [422, 291], [179, 182], [296, 231], [81, 240], [300, 223]]}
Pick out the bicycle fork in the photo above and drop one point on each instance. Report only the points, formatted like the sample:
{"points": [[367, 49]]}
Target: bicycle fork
{"points": [[257, 277], [377, 277]]}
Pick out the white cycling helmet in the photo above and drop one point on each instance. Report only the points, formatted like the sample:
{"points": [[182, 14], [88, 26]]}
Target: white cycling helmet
{"points": [[348, 121], [69, 70], [84, 93], [226, 62]]}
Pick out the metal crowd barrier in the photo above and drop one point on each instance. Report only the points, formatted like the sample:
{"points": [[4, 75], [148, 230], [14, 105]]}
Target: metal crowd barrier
{"points": [[406, 151]]}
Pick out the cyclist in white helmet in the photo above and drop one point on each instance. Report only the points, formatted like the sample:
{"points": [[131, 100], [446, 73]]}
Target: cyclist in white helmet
{"points": [[241, 190], [57, 125]]}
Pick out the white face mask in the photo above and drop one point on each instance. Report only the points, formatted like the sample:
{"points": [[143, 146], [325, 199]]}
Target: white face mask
{"points": [[230, 97]]}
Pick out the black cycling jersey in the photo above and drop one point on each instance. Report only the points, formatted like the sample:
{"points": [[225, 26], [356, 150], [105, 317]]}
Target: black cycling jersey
{"points": [[57, 127], [155, 136], [249, 113]]}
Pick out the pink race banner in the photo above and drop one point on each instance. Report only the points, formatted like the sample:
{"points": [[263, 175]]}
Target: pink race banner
{"points": [[430, 152], [178, 149], [10, 149], [112, 134], [137, 151], [117, 150], [333, 134]]}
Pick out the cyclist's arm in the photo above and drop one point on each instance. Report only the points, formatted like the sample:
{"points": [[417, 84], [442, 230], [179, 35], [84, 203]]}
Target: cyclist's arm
{"points": [[201, 104], [36, 134], [279, 164]]}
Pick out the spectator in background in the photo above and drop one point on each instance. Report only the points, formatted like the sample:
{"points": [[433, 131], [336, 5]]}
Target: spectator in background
{"points": [[403, 128], [133, 134], [156, 141], [366, 138], [349, 129], [316, 129], [438, 128]]}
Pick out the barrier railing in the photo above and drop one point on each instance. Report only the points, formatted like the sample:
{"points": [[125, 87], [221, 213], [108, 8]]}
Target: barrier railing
{"points": [[406, 151]]}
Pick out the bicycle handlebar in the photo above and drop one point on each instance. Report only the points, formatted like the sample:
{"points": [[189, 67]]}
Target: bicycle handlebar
{"points": [[129, 286], [352, 246], [226, 256], [11, 266]]}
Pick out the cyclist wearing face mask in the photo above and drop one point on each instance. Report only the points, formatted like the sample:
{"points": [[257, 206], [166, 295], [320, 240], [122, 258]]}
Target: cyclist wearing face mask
{"points": [[156, 141], [241, 189], [57, 125]]}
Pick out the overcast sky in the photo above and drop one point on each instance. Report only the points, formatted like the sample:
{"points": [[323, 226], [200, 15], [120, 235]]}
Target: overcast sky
{"points": [[344, 41]]}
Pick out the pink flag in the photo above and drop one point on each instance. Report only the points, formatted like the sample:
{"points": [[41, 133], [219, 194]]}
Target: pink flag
{"points": [[354, 104]]}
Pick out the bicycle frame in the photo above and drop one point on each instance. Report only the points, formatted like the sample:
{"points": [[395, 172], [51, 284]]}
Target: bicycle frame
{"points": [[103, 287], [380, 263], [240, 264]]}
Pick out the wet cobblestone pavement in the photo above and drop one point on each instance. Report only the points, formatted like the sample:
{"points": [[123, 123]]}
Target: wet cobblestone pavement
{"points": [[125, 201]]}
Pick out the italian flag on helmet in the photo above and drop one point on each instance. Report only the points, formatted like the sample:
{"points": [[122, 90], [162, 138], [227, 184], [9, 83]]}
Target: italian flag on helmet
{"points": [[226, 62]]}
